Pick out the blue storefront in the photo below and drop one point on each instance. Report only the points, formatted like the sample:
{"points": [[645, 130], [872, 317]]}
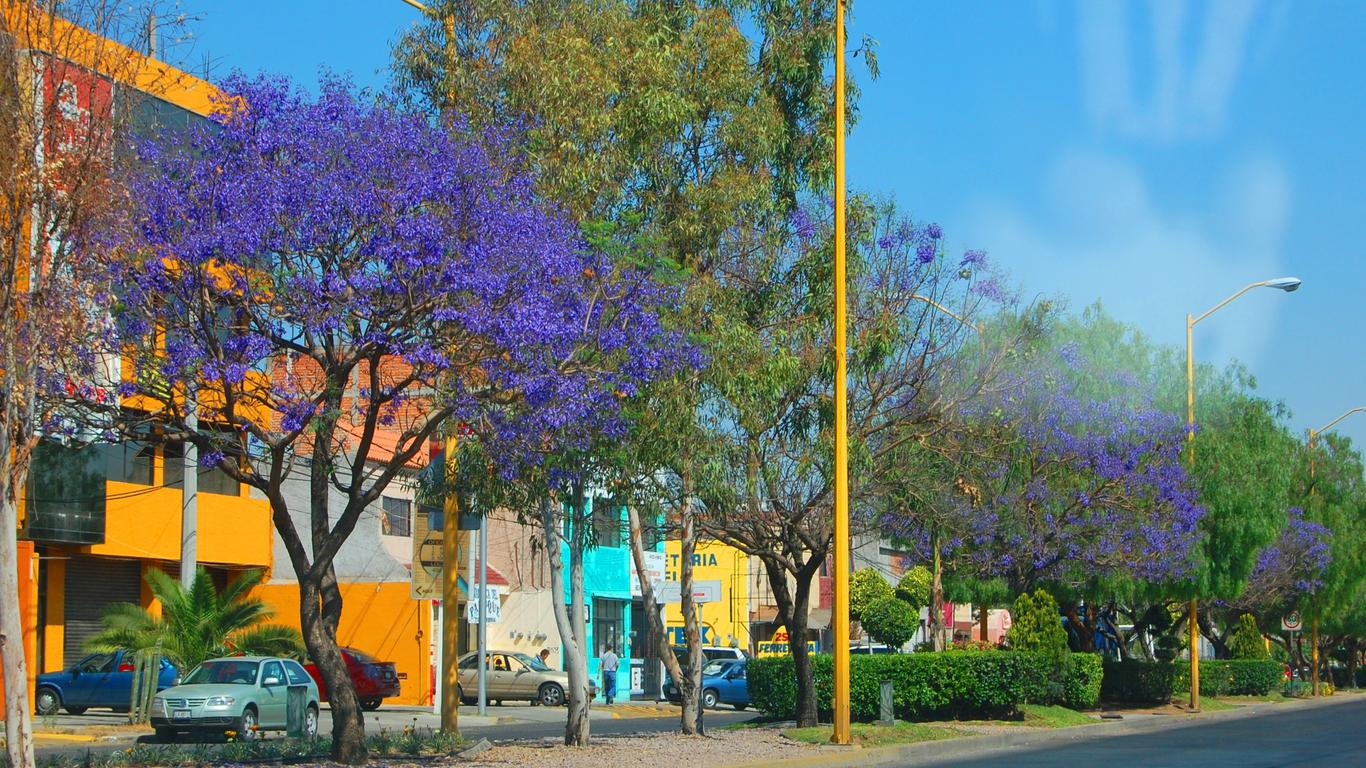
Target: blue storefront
{"points": [[607, 590]]}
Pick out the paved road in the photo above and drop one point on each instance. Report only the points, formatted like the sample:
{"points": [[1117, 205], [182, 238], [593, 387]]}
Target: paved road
{"points": [[1333, 735]]}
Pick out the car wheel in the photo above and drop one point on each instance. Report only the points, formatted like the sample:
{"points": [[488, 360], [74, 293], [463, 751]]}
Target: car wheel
{"points": [[165, 735], [370, 705], [551, 695], [47, 702], [311, 721], [248, 727], [460, 694], [709, 698], [75, 710]]}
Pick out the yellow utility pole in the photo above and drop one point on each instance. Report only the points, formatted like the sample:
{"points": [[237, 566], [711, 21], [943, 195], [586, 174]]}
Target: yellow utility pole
{"points": [[450, 592], [1287, 284], [450, 531], [1314, 608], [840, 620]]}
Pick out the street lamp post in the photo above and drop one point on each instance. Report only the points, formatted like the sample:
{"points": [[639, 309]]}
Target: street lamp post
{"points": [[1287, 284], [1314, 619]]}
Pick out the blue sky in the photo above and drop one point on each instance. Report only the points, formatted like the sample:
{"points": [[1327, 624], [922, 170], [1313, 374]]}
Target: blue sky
{"points": [[1155, 156]]}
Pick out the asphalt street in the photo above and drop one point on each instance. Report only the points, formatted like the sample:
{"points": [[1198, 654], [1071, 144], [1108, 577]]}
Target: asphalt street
{"points": [[1333, 735]]}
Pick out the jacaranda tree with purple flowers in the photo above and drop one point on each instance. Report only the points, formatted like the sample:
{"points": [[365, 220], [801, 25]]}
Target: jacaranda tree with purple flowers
{"points": [[1063, 491], [333, 279]]}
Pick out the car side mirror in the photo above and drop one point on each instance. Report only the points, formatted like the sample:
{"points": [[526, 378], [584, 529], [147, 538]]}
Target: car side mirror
{"points": [[269, 681]]}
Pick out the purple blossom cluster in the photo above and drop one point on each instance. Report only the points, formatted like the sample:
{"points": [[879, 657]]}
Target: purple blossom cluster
{"points": [[1296, 563], [1070, 489], [336, 227]]}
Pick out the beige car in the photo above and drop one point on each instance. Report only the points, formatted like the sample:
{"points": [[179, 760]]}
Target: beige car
{"points": [[515, 676]]}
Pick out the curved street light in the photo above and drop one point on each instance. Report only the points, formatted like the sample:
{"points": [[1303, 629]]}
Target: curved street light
{"points": [[1289, 285]]}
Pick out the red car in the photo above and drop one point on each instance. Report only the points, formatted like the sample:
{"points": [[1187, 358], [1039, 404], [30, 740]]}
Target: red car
{"points": [[374, 680]]}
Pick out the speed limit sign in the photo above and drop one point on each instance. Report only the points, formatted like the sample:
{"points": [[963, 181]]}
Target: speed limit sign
{"points": [[1291, 622]]}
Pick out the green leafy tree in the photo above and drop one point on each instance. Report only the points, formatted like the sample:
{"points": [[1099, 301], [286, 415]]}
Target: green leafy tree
{"points": [[890, 620], [865, 588], [914, 586], [198, 623], [1036, 625], [1247, 641]]}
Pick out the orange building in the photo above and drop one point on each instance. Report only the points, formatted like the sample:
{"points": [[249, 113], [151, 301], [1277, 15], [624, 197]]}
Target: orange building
{"points": [[95, 519]]}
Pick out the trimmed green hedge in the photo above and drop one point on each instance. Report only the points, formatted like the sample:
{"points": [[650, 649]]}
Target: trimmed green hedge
{"points": [[1146, 682], [1231, 677], [1082, 680], [967, 684]]}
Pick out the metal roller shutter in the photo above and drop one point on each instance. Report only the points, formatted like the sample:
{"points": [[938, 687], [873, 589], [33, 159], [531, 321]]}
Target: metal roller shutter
{"points": [[92, 583]]}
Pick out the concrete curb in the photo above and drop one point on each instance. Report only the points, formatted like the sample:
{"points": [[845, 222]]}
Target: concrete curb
{"points": [[924, 752]]}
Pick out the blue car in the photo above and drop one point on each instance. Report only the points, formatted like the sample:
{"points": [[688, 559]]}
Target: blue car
{"points": [[98, 680], [723, 682]]}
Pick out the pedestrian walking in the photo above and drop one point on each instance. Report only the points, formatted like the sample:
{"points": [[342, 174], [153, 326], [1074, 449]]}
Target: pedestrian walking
{"points": [[608, 663]]}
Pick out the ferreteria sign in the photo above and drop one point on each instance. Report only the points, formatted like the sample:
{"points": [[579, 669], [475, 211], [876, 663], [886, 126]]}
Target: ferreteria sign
{"points": [[779, 645]]}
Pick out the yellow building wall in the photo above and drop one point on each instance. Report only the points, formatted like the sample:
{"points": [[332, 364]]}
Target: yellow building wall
{"points": [[725, 622], [144, 522], [380, 619]]}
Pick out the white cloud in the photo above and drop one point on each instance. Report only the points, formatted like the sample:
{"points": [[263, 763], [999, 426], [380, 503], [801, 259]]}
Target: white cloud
{"points": [[1179, 85], [1100, 234]]}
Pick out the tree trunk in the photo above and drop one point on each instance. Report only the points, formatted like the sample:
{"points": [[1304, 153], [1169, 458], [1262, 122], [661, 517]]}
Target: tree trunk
{"points": [[348, 726], [801, 660], [569, 619], [690, 696], [936, 597], [1207, 629], [1353, 658], [688, 547], [1083, 630], [18, 719]]}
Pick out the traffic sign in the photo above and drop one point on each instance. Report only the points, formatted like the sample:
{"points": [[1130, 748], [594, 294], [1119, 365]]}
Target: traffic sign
{"points": [[702, 592], [1291, 622], [493, 607]]}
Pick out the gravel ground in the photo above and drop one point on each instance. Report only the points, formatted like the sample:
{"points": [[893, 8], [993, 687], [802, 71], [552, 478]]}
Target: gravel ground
{"points": [[749, 745]]}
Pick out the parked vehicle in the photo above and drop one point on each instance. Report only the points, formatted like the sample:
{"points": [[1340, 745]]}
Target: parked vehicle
{"points": [[98, 680], [515, 676], [710, 654], [871, 649], [724, 681], [242, 694], [374, 680]]}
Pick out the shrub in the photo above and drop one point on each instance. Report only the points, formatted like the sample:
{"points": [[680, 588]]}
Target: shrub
{"points": [[865, 588], [926, 685], [914, 587], [1145, 682], [1296, 688], [1081, 680], [1247, 641], [1232, 677], [1036, 625], [1168, 647], [890, 621], [970, 645]]}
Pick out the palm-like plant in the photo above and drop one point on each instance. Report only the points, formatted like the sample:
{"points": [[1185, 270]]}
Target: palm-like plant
{"points": [[198, 623]]}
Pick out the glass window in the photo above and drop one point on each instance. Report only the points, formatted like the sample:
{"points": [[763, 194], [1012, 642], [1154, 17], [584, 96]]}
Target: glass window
{"points": [[532, 662], [607, 625], [470, 662], [211, 479], [272, 669], [129, 462], [715, 667], [100, 662], [297, 675], [607, 527], [398, 514], [226, 671]]}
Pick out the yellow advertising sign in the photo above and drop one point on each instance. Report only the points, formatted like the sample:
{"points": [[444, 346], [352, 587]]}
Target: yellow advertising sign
{"points": [[779, 645]]}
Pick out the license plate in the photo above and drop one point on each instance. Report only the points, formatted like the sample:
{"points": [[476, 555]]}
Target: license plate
{"points": [[181, 714]]}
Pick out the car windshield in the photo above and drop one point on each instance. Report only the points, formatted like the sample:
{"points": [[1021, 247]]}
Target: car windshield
{"points": [[531, 661], [226, 671], [717, 667]]}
